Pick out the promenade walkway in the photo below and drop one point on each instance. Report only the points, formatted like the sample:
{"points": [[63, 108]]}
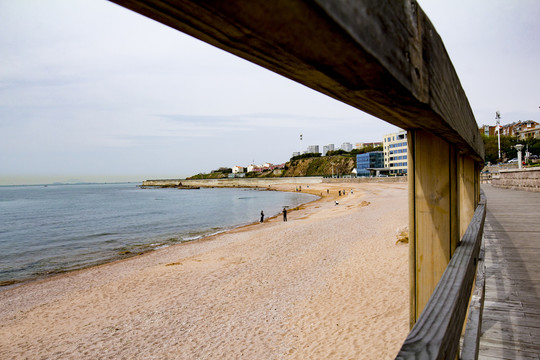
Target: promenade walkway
{"points": [[511, 319]]}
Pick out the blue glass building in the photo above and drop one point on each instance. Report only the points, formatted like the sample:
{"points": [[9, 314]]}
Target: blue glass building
{"points": [[370, 160]]}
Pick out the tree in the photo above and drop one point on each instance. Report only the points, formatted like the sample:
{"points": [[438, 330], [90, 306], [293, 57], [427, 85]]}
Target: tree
{"points": [[508, 150]]}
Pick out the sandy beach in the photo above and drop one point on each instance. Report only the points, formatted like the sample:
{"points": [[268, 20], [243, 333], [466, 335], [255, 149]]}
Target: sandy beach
{"points": [[330, 283]]}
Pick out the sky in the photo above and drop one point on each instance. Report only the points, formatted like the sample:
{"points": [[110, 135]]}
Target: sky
{"points": [[90, 91]]}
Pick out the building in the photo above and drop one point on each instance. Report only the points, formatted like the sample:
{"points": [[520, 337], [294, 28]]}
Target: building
{"points": [[395, 152], [488, 130], [313, 149], [527, 129], [369, 160], [253, 168], [346, 146], [522, 130], [508, 129], [296, 153], [237, 169], [371, 144], [327, 148]]}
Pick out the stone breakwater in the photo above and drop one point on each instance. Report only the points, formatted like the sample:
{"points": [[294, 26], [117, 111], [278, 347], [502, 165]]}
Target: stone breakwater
{"points": [[236, 182], [267, 182]]}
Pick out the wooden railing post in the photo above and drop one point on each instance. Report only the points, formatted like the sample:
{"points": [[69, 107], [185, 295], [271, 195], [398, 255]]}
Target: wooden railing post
{"points": [[433, 214], [467, 191]]}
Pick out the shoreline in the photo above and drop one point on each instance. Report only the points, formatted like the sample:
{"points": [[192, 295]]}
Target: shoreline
{"points": [[290, 265], [134, 252]]}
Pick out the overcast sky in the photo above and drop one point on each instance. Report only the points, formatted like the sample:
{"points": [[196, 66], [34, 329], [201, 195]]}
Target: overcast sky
{"points": [[94, 92]]}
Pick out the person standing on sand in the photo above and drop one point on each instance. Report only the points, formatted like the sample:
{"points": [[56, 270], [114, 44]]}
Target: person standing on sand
{"points": [[262, 216], [284, 214]]}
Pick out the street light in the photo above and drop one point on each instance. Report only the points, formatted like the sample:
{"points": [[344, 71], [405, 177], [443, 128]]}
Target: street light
{"points": [[498, 126], [518, 148]]}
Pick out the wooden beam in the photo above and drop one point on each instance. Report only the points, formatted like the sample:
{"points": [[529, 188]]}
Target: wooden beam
{"points": [[382, 57]]}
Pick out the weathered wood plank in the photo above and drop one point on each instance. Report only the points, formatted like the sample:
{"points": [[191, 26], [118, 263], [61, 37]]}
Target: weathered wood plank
{"points": [[490, 352], [437, 332], [507, 341], [489, 322], [473, 329], [384, 58]]}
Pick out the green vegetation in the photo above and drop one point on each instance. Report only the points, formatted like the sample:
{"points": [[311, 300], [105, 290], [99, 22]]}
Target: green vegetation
{"points": [[306, 156], [339, 152], [508, 151], [223, 170], [354, 152], [220, 173]]}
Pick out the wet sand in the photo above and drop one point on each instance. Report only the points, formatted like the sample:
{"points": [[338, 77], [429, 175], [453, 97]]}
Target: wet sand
{"points": [[330, 283]]}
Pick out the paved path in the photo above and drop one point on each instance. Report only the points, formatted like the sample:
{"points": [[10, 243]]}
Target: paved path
{"points": [[511, 319]]}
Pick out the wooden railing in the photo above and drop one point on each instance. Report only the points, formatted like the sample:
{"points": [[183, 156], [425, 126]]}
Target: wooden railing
{"points": [[436, 334]]}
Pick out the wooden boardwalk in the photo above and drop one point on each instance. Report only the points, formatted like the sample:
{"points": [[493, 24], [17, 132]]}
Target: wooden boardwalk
{"points": [[511, 319]]}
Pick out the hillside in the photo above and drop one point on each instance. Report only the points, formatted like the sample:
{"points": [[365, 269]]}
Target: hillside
{"points": [[320, 166], [314, 166]]}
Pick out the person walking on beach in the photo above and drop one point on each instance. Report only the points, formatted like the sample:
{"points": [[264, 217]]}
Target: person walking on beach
{"points": [[262, 216], [284, 214]]}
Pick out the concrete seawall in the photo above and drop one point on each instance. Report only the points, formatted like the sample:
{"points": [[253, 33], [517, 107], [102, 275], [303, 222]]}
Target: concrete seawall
{"points": [[266, 182], [524, 179]]}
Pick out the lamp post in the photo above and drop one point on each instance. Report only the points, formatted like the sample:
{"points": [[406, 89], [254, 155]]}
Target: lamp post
{"points": [[518, 148], [498, 125]]}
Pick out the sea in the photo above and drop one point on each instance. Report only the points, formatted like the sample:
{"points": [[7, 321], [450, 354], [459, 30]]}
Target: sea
{"points": [[50, 229]]}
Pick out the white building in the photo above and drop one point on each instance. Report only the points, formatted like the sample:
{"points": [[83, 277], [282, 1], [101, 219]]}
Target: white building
{"points": [[237, 169], [312, 149], [346, 146], [296, 153], [395, 152], [327, 148]]}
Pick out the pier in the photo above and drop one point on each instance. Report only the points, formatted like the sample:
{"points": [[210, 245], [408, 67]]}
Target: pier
{"points": [[511, 319]]}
